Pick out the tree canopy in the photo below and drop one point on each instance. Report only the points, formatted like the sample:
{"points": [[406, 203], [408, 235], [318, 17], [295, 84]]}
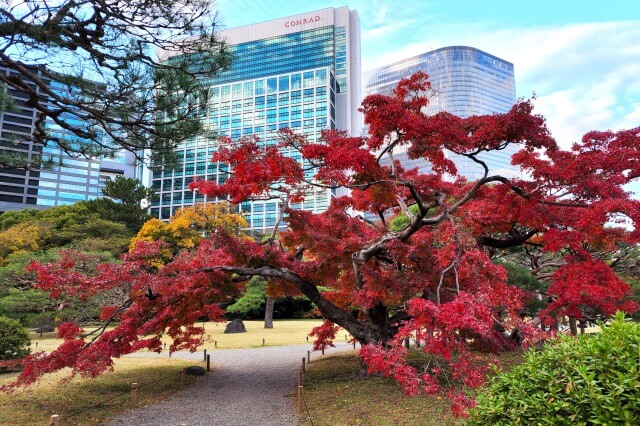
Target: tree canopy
{"points": [[432, 277], [100, 70]]}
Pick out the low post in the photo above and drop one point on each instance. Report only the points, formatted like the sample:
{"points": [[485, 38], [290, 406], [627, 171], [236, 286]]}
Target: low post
{"points": [[205, 355], [322, 351], [183, 377], [165, 346], [134, 394], [303, 361], [299, 377], [54, 419], [215, 342], [354, 344], [300, 398], [36, 345], [208, 362], [263, 341], [308, 357], [307, 339]]}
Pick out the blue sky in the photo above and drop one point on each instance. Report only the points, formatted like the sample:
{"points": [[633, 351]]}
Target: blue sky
{"points": [[580, 58]]}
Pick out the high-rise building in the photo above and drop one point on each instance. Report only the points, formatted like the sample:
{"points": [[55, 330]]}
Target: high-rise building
{"points": [[465, 81], [300, 72], [66, 180]]}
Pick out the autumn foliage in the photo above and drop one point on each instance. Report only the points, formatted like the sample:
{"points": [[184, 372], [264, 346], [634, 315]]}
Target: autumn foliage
{"points": [[434, 278]]}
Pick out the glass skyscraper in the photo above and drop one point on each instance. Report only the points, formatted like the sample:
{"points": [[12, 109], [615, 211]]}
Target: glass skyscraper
{"points": [[67, 180], [465, 81], [300, 72]]}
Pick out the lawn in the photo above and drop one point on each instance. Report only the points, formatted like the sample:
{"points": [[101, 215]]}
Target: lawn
{"points": [[284, 332], [158, 377], [334, 398], [107, 395]]}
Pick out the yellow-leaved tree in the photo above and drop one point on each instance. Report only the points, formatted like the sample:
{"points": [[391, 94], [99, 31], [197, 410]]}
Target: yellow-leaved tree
{"points": [[189, 225]]}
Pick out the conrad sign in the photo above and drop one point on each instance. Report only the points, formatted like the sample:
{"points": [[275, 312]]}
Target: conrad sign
{"points": [[302, 21]]}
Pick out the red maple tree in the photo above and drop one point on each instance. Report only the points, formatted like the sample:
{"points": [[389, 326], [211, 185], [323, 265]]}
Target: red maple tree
{"points": [[434, 278]]}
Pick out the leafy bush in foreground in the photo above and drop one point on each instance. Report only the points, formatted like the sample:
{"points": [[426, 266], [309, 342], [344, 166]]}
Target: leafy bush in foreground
{"points": [[14, 339], [572, 381]]}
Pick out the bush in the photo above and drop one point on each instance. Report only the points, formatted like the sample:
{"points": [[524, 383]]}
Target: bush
{"points": [[14, 340], [571, 381]]}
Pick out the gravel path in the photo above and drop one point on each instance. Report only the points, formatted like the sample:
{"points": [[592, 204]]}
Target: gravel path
{"points": [[245, 387]]}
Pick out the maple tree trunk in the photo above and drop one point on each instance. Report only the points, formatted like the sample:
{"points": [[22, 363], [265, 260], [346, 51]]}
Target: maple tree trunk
{"points": [[573, 328], [268, 312]]}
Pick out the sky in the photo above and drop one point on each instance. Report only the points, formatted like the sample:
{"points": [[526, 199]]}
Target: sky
{"points": [[581, 58]]}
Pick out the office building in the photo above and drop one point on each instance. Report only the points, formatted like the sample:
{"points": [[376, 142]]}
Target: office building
{"points": [[300, 72], [67, 180], [465, 81]]}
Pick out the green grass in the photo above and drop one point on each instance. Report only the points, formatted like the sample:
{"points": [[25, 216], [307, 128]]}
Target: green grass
{"points": [[283, 333], [56, 394], [334, 398]]}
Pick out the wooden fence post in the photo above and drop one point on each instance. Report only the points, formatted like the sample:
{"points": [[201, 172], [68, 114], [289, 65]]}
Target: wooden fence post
{"points": [[308, 357], [205, 355], [299, 377], [134, 394], [322, 351], [354, 344], [303, 362], [215, 342], [54, 419], [208, 362], [300, 398], [183, 377], [263, 341]]}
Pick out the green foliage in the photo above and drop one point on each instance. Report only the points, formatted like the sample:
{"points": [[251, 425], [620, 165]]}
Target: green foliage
{"points": [[252, 303], [14, 339], [524, 279], [571, 381], [14, 217], [402, 221], [123, 204]]}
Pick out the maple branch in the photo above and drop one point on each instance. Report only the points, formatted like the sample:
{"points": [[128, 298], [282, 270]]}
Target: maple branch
{"points": [[331, 311], [125, 305], [515, 239]]}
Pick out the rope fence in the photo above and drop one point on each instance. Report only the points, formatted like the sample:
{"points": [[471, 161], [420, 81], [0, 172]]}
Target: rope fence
{"points": [[133, 392], [302, 370]]}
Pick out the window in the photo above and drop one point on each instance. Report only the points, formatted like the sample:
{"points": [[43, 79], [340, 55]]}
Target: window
{"points": [[272, 85], [248, 89], [295, 81], [260, 87], [283, 83], [308, 79]]}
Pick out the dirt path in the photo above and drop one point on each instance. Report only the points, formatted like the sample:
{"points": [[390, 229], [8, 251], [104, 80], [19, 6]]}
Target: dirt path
{"points": [[247, 387]]}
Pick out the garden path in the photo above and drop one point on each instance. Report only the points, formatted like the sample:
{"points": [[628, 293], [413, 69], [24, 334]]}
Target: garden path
{"points": [[246, 387]]}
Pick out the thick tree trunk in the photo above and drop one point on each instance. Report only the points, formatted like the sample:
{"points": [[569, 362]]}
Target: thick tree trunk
{"points": [[573, 328], [362, 372], [268, 312]]}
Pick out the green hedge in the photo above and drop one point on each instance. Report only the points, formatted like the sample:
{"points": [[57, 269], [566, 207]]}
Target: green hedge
{"points": [[588, 380]]}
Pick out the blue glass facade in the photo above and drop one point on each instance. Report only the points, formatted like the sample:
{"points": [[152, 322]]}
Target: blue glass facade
{"points": [[69, 180], [276, 81], [465, 81]]}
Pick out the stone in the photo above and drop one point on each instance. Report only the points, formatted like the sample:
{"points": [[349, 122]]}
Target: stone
{"points": [[235, 326], [195, 370]]}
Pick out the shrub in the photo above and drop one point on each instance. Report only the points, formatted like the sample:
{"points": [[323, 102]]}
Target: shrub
{"points": [[14, 339], [571, 381]]}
